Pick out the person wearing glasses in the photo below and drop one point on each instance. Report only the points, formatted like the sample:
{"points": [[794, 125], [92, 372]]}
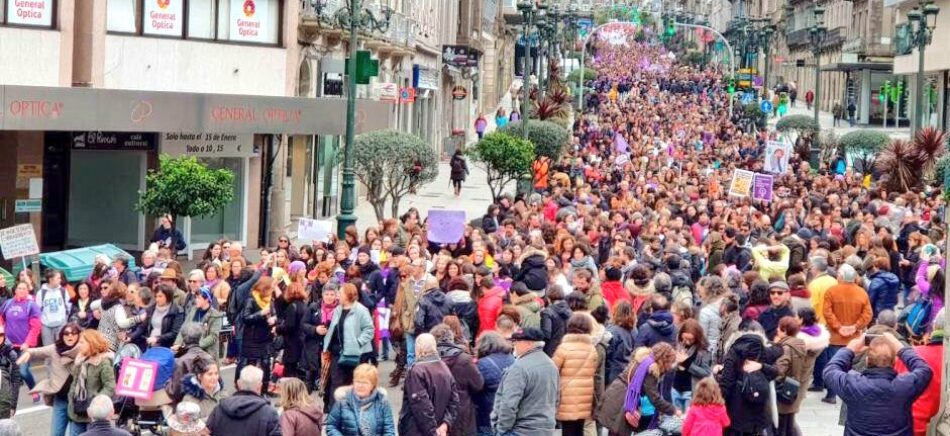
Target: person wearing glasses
{"points": [[781, 306], [60, 357]]}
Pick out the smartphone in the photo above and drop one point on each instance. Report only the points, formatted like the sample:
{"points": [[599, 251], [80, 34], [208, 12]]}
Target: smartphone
{"points": [[870, 337]]}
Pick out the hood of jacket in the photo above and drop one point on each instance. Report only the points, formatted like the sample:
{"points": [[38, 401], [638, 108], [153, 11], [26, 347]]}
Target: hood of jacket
{"points": [[458, 297], [367, 269], [190, 386], [242, 405], [748, 345], [561, 309], [796, 345], [313, 412], [661, 322], [528, 301], [815, 343], [450, 353], [635, 289], [887, 277], [532, 258]]}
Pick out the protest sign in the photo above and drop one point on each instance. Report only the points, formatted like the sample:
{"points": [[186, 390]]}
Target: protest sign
{"points": [[445, 226], [741, 183], [136, 379], [18, 241], [776, 157], [313, 230], [762, 187]]}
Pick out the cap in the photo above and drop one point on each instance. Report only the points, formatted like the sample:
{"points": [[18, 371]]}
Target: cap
{"points": [[169, 273], [781, 285], [528, 334]]}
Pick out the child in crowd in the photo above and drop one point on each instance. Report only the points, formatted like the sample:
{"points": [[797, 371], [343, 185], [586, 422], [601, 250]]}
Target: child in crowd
{"points": [[707, 413]]}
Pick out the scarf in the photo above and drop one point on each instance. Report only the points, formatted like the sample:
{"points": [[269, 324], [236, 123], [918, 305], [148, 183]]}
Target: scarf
{"points": [[811, 330], [262, 302], [635, 387], [212, 283], [326, 312]]}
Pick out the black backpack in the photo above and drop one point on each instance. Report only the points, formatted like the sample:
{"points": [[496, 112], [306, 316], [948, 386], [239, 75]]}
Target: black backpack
{"points": [[754, 387]]}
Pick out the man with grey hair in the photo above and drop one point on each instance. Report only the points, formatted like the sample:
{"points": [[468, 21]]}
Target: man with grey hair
{"points": [[430, 402], [527, 397], [100, 411], [245, 412], [196, 279], [185, 357], [847, 311]]}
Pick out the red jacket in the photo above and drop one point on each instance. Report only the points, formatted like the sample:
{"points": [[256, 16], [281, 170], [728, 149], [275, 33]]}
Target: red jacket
{"points": [[614, 292], [928, 403], [705, 420], [489, 307]]}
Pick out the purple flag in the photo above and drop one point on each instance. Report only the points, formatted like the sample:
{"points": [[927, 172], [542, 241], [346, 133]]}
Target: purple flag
{"points": [[445, 226], [620, 144], [762, 187]]}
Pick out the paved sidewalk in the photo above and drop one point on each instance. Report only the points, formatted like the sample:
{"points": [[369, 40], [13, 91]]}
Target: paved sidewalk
{"points": [[826, 119]]}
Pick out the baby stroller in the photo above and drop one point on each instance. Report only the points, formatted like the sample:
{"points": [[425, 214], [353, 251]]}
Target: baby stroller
{"points": [[149, 415]]}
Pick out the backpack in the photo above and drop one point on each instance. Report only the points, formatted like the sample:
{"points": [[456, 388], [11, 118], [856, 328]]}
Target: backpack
{"points": [[754, 387], [916, 318], [458, 166]]}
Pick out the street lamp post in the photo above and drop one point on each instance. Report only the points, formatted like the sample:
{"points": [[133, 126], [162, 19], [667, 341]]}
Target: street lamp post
{"points": [[527, 9], [923, 23], [818, 32], [353, 18], [765, 41]]}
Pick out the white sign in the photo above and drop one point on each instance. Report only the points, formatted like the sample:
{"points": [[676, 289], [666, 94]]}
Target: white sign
{"points": [[30, 12], [18, 241], [249, 20], [162, 17], [427, 78], [313, 230], [36, 187], [386, 91], [776, 157], [208, 144]]}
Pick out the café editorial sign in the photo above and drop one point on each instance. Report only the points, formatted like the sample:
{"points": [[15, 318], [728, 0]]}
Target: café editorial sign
{"points": [[249, 20], [30, 12], [111, 110], [162, 17], [113, 141], [203, 144]]}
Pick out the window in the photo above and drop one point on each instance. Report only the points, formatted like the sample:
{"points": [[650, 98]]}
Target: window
{"points": [[32, 13], [246, 21]]}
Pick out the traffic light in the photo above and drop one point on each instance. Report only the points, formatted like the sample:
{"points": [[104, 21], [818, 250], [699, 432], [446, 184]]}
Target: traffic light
{"points": [[732, 86]]}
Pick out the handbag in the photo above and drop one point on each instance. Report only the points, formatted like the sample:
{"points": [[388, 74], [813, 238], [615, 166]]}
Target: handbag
{"points": [[787, 390], [349, 361]]}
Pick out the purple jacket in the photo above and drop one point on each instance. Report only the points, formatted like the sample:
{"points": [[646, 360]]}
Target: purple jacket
{"points": [[22, 321]]}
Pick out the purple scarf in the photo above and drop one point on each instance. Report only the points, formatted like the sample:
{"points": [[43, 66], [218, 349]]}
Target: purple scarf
{"points": [[811, 330], [634, 388]]}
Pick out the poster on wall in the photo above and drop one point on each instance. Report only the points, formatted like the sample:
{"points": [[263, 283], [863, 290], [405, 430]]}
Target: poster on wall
{"points": [[249, 20], [30, 12], [162, 17]]}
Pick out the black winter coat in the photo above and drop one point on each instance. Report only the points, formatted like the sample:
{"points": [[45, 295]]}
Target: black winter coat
{"points": [[533, 272], [429, 399], [171, 324], [244, 413], [746, 417], [432, 307], [257, 337], [554, 325], [290, 328], [312, 342], [468, 382], [657, 328]]}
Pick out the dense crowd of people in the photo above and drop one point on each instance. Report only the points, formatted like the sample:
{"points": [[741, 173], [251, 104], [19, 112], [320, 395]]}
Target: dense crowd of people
{"points": [[630, 293]]}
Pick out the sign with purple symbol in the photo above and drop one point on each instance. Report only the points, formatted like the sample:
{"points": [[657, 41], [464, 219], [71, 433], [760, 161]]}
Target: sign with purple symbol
{"points": [[445, 226], [762, 187]]}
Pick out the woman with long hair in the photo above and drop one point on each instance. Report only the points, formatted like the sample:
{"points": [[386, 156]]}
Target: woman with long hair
{"points": [[219, 287], [60, 357], [302, 416], [577, 362], [259, 318], [693, 362], [290, 319], [641, 378], [82, 310], [114, 320], [623, 333], [92, 375]]}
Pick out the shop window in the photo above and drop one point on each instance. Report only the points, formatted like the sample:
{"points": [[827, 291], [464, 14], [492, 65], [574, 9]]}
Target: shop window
{"points": [[28, 13], [242, 21]]}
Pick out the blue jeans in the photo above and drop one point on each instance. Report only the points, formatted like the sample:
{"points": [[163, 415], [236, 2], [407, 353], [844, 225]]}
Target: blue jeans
{"points": [[77, 428], [60, 419], [27, 375], [681, 400], [831, 350], [410, 349]]}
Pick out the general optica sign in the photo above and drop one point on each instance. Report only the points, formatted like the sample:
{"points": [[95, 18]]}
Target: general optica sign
{"points": [[30, 12], [249, 20], [162, 17]]}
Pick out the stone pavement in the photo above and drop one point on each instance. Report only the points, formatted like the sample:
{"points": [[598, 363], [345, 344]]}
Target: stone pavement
{"points": [[826, 119]]}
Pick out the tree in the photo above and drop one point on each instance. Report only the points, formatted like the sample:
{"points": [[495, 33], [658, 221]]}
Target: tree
{"points": [[184, 187], [549, 138], [574, 75], [504, 158], [930, 145], [897, 163], [800, 127], [864, 145], [390, 164]]}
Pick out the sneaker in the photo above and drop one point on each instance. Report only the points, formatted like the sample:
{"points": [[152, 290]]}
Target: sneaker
{"points": [[829, 400]]}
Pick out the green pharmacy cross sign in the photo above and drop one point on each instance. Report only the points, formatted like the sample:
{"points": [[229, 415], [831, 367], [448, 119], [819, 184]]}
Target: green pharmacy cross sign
{"points": [[366, 67]]}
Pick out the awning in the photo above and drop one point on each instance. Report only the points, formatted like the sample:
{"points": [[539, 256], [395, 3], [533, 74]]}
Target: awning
{"points": [[858, 66], [83, 109]]}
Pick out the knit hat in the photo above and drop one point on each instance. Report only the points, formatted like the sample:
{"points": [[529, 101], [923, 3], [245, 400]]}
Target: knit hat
{"points": [[364, 249], [187, 418], [296, 266]]}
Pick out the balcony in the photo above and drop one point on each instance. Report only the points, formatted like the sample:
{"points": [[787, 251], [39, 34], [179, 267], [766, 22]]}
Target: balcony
{"points": [[509, 9], [799, 38], [866, 47]]}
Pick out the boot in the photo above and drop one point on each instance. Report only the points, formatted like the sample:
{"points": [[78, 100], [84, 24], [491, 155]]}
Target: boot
{"points": [[396, 376]]}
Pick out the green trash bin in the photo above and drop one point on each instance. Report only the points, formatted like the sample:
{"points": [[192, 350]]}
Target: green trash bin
{"points": [[77, 263]]}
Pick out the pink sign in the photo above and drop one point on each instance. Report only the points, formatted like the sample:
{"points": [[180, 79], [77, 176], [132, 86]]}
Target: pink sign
{"points": [[136, 379]]}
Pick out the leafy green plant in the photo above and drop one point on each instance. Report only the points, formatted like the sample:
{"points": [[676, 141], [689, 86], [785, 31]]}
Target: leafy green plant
{"points": [[504, 158], [930, 144], [184, 187], [546, 109], [575, 75], [864, 146], [549, 138], [391, 164]]}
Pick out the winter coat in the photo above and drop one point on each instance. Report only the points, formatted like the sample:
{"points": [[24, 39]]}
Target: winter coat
{"points": [[212, 322], [883, 289], [358, 330], [468, 382], [492, 368], [928, 404], [237, 301], [10, 379], [58, 370], [184, 366], [430, 398], [489, 224], [290, 328], [171, 325], [244, 413], [104, 428], [433, 306], [462, 306], [614, 292], [489, 308], [577, 362], [711, 322], [880, 402], [846, 304], [639, 294], [554, 325], [459, 168], [658, 328], [771, 317], [700, 366], [313, 342], [814, 345], [727, 328], [705, 420], [619, 349], [162, 235], [533, 270], [302, 421], [344, 417], [257, 338], [529, 308], [527, 397], [97, 374], [745, 416], [194, 393], [793, 364], [610, 411]]}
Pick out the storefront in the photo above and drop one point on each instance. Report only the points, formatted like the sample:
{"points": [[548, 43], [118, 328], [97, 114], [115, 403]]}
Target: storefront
{"points": [[77, 157]]}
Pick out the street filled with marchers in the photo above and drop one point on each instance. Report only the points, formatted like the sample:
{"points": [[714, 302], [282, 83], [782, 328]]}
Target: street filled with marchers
{"points": [[669, 273]]}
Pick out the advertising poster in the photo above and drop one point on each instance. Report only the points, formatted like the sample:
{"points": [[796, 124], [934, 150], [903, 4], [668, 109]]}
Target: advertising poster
{"points": [[162, 17], [249, 20]]}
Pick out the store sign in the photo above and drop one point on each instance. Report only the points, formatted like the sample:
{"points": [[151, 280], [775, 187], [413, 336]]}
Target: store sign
{"points": [[407, 95], [30, 12], [28, 206], [113, 141], [386, 91], [162, 17], [424, 78], [459, 92], [249, 20], [459, 56], [208, 144]]}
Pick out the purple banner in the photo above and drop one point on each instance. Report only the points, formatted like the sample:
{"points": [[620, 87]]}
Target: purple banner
{"points": [[445, 226], [762, 187]]}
